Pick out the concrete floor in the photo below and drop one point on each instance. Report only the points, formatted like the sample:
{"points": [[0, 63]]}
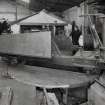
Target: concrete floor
{"points": [[23, 94]]}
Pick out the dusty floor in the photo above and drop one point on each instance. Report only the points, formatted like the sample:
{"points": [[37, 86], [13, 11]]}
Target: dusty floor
{"points": [[23, 94]]}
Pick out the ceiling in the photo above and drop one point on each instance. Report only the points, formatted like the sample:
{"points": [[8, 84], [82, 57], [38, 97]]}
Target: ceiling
{"points": [[53, 5]]}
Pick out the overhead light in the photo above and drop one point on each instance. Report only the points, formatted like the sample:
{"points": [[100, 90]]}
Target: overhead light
{"points": [[27, 1]]}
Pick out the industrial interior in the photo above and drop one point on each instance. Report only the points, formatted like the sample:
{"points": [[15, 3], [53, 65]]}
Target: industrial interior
{"points": [[52, 52]]}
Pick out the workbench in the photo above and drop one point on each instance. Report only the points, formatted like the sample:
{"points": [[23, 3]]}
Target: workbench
{"points": [[47, 78]]}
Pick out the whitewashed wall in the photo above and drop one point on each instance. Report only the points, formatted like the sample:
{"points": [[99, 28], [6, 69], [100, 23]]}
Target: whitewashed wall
{"points": [[8, 10], [73, 14]]}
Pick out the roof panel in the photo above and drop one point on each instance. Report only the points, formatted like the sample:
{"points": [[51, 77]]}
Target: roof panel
{"points": [[42, 18]]}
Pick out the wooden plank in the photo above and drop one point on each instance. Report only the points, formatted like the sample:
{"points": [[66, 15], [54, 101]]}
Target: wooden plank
{"points": [[98, 14], [55, 47], [27, 44], [66, 96], [103, 36], [7, 95], [48, 78], [75, 61]]}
